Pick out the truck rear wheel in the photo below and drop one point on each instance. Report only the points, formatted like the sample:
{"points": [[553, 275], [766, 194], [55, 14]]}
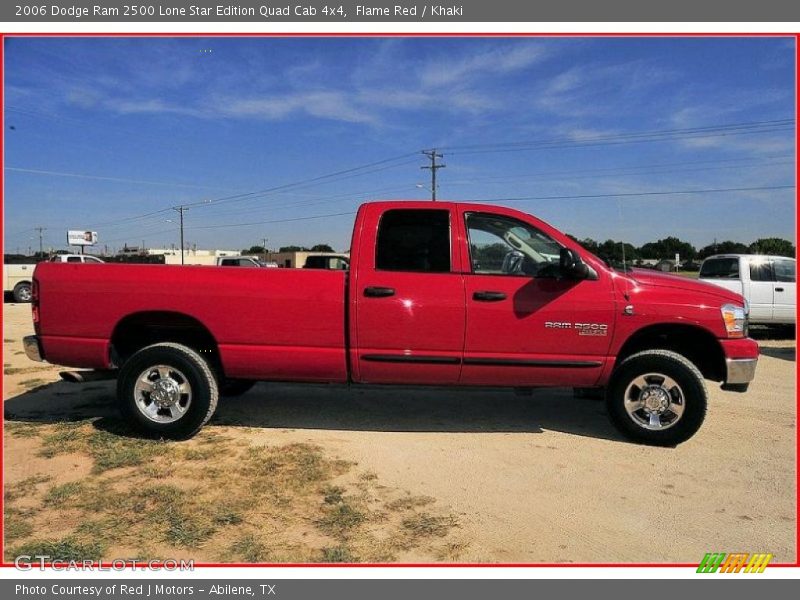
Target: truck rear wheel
{"points": [[167, 390], [657, 397], [22, 292]]}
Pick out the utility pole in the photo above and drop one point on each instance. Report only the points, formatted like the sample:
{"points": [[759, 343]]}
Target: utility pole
{"points": [[41, 249], [432, 155], [265, 249], [180, 210]]}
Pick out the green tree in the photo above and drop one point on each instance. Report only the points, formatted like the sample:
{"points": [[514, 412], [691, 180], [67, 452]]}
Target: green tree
{"points": [[611, 250], [726, 247], [292, 249], [776, 246], [667, 248], [321, 248]]}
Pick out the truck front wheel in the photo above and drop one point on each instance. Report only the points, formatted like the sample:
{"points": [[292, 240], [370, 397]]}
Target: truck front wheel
{"points": [[657, 397], [167, 390]]}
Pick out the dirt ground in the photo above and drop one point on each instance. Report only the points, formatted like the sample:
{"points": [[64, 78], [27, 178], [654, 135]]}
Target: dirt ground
{"points": [[398, 474]]}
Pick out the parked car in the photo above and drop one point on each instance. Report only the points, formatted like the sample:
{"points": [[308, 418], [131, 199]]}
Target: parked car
{"points": [[337, 262], [413, 309], [238, 261], [768, 283], [75, 258], [17, 280]]}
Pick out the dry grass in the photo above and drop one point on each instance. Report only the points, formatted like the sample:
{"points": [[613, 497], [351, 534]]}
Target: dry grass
{"points": [[214, 499]]}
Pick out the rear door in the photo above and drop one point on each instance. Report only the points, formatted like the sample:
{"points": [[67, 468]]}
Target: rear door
{"points": [[785, 294], [408, 298], [762, 291]]}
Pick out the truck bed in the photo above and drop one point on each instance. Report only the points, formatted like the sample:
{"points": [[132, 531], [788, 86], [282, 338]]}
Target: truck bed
{"points": [[267, 323]]}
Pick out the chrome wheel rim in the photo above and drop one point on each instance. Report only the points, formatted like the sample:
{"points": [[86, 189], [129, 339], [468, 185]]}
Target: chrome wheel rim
{"points": [[654, 401], [162, 393], [25, 293]]}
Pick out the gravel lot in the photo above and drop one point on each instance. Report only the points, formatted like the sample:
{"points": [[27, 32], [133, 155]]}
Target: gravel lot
{"points": [[530, 479]]}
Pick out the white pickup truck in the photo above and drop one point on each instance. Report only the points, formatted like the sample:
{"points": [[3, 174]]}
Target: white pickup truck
{"points": [[766, 282], [17, 281]]}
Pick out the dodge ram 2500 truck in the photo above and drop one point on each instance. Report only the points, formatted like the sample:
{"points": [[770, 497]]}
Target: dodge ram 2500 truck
{"points": [[438, 293]]}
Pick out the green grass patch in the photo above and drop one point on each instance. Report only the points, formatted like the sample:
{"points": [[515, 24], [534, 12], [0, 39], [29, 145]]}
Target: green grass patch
{"points": [[109, 449], [25, 487], [197, 453], [248, 549], [22, 430], [337, 554], [63, 550], [341, 519], [409, 502], [187, 531], [59, 494], [227, 515], [427, 525], [293, 468], [333, 494], [15, 527]]}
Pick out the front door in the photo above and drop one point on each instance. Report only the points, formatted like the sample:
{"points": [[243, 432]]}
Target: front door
{"points": [[409, 299], [526, 326]]}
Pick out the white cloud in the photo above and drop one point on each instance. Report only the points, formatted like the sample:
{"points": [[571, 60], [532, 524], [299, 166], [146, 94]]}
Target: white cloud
{"points": [[492, 62]]}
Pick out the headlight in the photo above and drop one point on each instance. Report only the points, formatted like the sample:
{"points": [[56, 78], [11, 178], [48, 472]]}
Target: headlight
{"points": [[735, 319]]}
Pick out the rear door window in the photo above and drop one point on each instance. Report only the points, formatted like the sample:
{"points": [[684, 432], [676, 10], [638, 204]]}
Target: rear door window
{"points": [[414, 240], [720, 268]]}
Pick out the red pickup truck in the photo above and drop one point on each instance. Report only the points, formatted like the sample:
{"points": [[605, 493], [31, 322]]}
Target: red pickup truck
{"points": [[438, 293]]}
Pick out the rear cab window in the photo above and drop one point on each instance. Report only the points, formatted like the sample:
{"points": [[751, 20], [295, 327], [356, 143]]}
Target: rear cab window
{"points": [[720, 268], [414, 240]]}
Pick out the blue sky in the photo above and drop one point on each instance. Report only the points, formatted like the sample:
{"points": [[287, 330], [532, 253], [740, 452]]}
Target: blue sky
{"points": [[101, 131]]}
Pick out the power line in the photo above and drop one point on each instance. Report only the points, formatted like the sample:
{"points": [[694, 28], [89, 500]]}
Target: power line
{"points": [[615, 172], [106, 178], [634, 194], [299, 184], [629, 138], [352, 212]]}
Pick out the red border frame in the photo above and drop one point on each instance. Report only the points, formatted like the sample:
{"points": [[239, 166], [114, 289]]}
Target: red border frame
{"points": [[107, 565]]}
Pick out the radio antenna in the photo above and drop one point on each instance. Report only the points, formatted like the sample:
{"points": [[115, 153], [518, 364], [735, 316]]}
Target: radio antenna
{"points": [[624, 262]]}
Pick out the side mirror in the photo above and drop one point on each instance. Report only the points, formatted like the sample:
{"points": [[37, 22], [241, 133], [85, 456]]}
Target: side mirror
{"points": [[571, 265]]}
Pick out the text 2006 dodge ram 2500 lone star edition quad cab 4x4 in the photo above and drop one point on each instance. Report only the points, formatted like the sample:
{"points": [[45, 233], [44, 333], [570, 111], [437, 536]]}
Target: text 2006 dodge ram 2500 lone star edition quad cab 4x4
{"points": [[438, 293]]}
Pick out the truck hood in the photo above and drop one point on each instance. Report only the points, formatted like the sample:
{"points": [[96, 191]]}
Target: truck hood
{"points": [[659, 279]]}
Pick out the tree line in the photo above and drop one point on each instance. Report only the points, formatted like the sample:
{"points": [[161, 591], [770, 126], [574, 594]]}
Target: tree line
{"points": [[315, 248], [666, 248]]}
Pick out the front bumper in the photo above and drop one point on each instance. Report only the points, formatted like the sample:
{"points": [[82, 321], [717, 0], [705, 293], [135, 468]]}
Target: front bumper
{"points": [[741, 358], [33, 348], [740, 370]]}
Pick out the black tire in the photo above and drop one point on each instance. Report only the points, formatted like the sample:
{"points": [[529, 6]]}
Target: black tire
{"points": [[23, 292], [230, 388], [649, 366], [187, 369]]}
